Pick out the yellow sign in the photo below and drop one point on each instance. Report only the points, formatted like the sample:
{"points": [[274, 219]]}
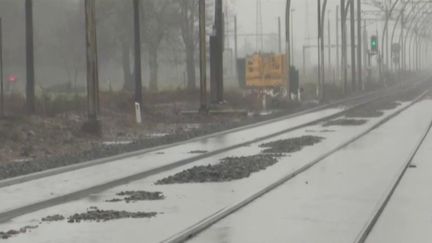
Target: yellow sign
{"points": [[266, 71]]}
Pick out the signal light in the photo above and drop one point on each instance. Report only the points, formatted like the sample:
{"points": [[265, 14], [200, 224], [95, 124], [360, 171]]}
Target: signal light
{"points": [[374, 43]]}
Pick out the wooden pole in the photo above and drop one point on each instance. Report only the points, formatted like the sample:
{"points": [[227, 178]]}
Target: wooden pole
{"points": [[344, 46], [329, 64], [337, 46], [2, 112], [353, 50], [288, 45], [279, 35], [30, 84], [359, 46], [203, 56], [92, 63], [137, 54]]}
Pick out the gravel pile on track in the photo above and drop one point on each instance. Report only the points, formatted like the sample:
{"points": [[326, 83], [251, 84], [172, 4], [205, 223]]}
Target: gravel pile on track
{"points": [[99, 215], [8, 234], [229, 169], [290, 145], [198, 152], [345, 122], [364, 113], [134, 196], [410, 95], [373, 110], [53, 218], [327, 131]]}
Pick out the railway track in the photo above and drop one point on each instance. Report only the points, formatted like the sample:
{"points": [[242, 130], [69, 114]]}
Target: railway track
{"points": [[87, 190], [387, 196], [325, 218], [349, 103], [213, 219]]}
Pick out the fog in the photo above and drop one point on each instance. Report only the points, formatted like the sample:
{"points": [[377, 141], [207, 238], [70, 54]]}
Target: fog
{"points": [[59, 40]]}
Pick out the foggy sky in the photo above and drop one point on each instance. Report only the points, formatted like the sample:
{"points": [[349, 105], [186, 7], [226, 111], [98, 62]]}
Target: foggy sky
{"points": [[305, 22]]}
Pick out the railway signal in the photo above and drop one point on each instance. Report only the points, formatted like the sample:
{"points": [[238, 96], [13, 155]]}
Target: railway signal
{"points": [[374, 44]]}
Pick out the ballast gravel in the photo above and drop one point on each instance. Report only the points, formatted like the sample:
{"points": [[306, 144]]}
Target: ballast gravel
{"points": [[99, 215], [134, 196], [290, 145]]}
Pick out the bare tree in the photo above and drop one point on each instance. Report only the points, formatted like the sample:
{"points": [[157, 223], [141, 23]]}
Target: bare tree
{"points": [[115, 28], [70, 46], [157, 22], [188, 15]]}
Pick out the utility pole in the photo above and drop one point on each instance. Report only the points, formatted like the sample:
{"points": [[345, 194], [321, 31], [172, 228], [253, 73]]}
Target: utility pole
{"points": [[321, 61], [137, 54], [319, 86], [288, 45], [292, 36], [203, 55], [219, 26], [337, 45], [93, 124], [359, 45], [344, 46], [216, 56], [366, 64], [236, 39], [2, 113], [387, 35], [259, 27], [30, 84], [235, 47], [353, 53], [279, 35], [323, 78], [402, 53], [417, 50], [329, 47], [304, 61]]}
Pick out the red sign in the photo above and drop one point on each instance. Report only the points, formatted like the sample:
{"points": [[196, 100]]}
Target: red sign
{"points": [[12, 78]]}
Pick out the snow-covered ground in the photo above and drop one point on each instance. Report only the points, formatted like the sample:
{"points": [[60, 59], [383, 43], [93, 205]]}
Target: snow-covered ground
{"points": [[408, 215], [333, 201], [34, 191], [188, 204]]}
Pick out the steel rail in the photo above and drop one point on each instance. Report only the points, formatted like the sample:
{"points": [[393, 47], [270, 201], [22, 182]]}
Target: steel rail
{"points": [[31, 207], [219, 215], [64, 169], [81, 193], [367, 229], [69, 168]]}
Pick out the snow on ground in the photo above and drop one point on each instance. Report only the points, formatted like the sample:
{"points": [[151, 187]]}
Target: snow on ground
{"points": [[186, 204], [334, 200], [408, 216], [23, 194]]}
